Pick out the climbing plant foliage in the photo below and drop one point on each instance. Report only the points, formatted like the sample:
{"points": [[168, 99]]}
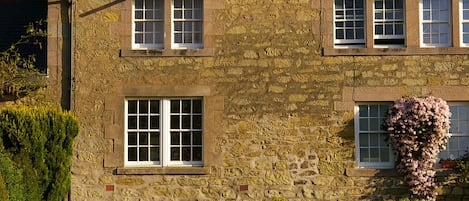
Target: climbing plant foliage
{"points": [[39, 141], [418, 129]]}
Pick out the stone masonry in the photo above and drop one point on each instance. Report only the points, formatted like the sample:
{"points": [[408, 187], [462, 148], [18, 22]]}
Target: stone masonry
{"points": [[283, 122]]}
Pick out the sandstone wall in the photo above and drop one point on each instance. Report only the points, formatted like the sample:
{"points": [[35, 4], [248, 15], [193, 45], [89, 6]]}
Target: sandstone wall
{"points": [[286, 129]]}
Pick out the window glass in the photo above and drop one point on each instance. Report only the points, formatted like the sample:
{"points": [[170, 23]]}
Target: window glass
{"points": [[148, 19], [187, 23], [464, 19], [436, 23], [389, 23], [458, 144], [349, 20], [147, 131], [373, 147]]}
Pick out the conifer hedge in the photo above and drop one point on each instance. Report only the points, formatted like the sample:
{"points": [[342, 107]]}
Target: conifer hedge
{"points": [[39, 140]]}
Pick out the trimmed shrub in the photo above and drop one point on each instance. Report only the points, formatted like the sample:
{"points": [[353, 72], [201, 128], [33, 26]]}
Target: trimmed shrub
{"points": [[12, 179], [40, 141]]}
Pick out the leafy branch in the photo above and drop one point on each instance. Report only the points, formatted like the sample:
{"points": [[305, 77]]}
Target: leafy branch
{"points": [[18, 73]]}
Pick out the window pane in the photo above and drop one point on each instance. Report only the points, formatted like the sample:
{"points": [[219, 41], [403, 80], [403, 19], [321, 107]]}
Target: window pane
{"points": [[177, 3], [139, 27], [378, 4], [143, 138], [186, 138], [363, 140], [186, 154], [175, 138], [132, 154], [197, 138], [132, 107], [188, 38], [374, 140], [178, 14], [143, 154], [384, 155], [383, 140], [148, 38], [178, 26], [175, 106], [132, 138], [178, 38], [197, 122], [138, 4], [198, 4], [174, 122], [375, 124], [154, 154], [188, 14], [197, 14], [149, 4], [363, 124], [197, 106], [154, 138], [175, 154], [339, 34], [399, 28], [143, 122], [154, 122], [374, 155], [138, 38], [186, 121], [187, 3], [132, 122], [149, 14], [364, 155], [339, 4], [186, 106], [138, 14], [197, 154]]}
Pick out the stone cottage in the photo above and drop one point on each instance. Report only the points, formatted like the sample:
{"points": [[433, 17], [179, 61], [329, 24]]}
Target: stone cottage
{"points": [[252, 99]]}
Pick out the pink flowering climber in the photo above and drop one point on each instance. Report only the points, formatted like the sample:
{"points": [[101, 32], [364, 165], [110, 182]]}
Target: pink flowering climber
{"points": [[418, 130]]}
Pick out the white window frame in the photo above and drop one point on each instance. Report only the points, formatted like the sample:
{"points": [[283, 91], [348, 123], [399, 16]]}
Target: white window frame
{"points": [[358, 131], [191, 45], [462, 22], [384, 21], [146, 45], [431, 22], [348, 43], [457, 123], [165, 134]]}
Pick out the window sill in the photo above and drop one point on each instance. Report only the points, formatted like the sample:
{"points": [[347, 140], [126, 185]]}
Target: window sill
{"points": [[207, 52], [393, 51], [163, 171]]}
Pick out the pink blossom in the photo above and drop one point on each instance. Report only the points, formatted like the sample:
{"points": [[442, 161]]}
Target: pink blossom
{"points": [[418, 129]]}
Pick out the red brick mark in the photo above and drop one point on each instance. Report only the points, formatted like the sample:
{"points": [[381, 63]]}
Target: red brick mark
{"points": [[243, 187], [109, 187]]}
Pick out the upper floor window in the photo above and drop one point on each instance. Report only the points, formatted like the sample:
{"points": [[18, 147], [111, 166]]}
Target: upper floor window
{"points": [[153, 20], [464, 18], [163, 132], [395, 27], [389, 22], [349, 22], [436, 23]]}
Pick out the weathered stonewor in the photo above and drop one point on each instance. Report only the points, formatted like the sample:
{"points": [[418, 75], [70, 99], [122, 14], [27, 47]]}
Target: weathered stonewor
{"points": [[281, 111]]}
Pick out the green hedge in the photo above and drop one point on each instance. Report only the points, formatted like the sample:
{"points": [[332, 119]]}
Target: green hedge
{"points": [[40, 141]]}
